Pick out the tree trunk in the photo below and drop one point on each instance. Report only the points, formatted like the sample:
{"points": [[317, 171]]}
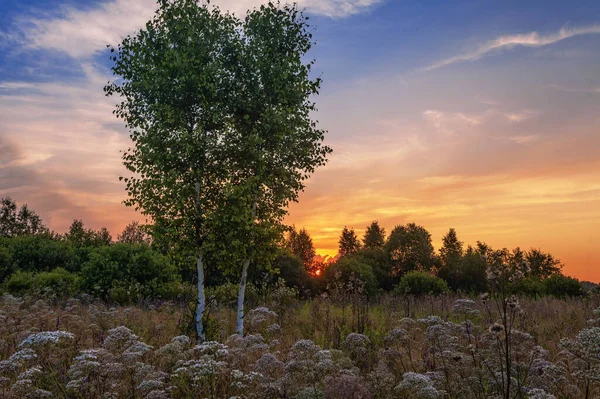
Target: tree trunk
{"points": [[201, 300], [241, 296], [242, 290]]}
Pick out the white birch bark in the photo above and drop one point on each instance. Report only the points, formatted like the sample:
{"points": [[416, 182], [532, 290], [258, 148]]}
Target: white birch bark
{"points": [[242, 290], [201, 306]]}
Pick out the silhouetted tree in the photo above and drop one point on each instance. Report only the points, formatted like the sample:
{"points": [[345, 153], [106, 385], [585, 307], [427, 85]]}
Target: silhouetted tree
{"points": [[301, 245], [349, 243], [451, 254], [409, 248], [134, 233], [19, 221], [374, 236], [542, 265]]}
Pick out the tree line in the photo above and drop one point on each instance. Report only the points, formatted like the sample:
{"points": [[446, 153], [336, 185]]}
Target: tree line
{"points": [[136, 267], [381, 261]]}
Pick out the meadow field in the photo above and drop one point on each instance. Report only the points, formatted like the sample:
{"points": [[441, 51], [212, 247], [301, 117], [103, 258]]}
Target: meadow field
{"points": [[341, 345]]}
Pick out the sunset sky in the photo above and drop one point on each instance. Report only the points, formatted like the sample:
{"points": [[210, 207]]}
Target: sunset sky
{"points": [[478, 115]]}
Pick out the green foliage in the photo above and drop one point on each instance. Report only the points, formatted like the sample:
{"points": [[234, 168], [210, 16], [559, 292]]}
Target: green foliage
{"points": [[531, 287], [40, 253], [79, 236], [379, 261], [471, 276], [344, 268], [410, 248], [19, 282], [126, 273], [420, 283], [349, 242], [291, 269], [6, 259], [561, 286], [59, 280]]}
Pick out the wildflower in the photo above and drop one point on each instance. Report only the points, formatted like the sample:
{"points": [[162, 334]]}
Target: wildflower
{"points": [[46, 337], [419, 386], [465, 307]]}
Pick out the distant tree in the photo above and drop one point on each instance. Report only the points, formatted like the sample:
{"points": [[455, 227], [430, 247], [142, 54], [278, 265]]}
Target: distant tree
{"points": [[420, 283], [378, 259], [79, 236], [19, 221], [134, 233], [349, 243], [301, 245], [471, 276], [351, 270], [542, 265], [291, 270], [561, 286], [374, 236], [410, 248], [450, 257]]}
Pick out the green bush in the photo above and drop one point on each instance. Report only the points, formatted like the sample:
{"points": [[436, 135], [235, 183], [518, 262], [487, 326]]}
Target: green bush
{"points": [[561, 286], [420, 283], [6, 261], [40, 253], [59, 280], [531, 287], [342, 270], [19, 282], [127, 273]]}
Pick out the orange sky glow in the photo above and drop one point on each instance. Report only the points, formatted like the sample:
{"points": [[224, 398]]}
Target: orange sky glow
{"points": [[493, 132]]}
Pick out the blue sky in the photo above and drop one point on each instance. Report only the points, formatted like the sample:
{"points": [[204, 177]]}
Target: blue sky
{"points": [[478, 115]]}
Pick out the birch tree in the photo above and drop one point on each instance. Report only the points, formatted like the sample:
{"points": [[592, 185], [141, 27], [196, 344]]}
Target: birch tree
{"points": [[172, 79], [274, 143]]}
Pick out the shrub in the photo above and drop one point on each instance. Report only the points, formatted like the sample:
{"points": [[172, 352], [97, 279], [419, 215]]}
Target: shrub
{"points": [[19, 282], [421, 283], [531, 287], [126, 273], [344, 268], [292, 270], [6, 262], [41, 254], [58, 280], [561, 286]]}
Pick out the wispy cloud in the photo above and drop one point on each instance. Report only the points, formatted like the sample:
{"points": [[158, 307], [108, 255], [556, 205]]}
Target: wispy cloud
{"points": [[533, 39], [525, 139], [595, 90], [82, 33]]}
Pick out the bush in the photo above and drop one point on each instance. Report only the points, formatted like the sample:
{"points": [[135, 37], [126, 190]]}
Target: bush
{"points": [[19, 283], [127, 273], [40, 253], [59, 280], [531, 287], [561, 286], [344, 268], [420, 283], [6, 262], [292, 271]]}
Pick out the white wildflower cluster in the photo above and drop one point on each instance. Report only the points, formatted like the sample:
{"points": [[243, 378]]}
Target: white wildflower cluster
{"points": [[261, 320], [582, 354], [46, 337], [418, 386], [466, 308]]}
